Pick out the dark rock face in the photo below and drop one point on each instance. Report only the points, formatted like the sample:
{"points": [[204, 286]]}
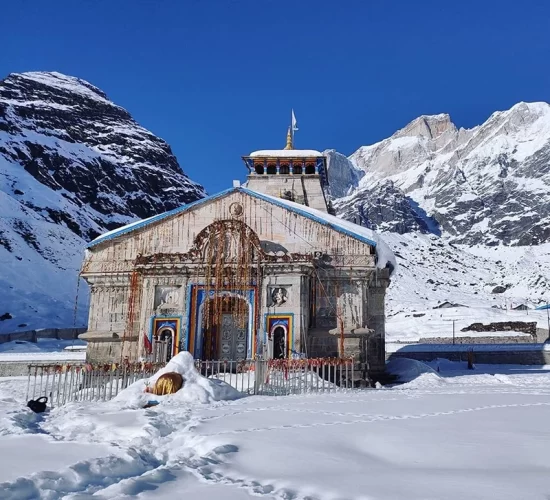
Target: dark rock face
{"points": [[73, 165], [71, 138], [505, 326], [343, 175], [386, 208]]}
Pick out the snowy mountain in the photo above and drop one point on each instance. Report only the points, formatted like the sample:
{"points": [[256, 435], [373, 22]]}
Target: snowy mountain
{"points": [[484, 284], [72, 165], [467, 213], [343, 175], [485, 185]]}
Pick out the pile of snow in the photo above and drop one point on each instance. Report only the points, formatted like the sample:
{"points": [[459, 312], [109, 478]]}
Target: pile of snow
{"points": [[409, 369], [196, 388], [286, 153]]}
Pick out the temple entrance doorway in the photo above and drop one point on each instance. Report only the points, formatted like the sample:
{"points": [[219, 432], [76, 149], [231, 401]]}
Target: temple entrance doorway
{"points": [[225, 329], [279, 343], [166, 338]]}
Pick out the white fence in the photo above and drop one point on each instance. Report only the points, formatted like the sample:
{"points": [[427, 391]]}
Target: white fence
{"points": [[66, 383], [277, 377]]}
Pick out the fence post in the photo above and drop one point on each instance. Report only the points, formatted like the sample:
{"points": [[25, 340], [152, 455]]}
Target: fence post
{"points": [[258, 375], [29, 384]]}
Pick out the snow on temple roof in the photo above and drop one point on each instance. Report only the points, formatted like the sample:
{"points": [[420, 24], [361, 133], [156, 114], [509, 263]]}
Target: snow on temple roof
{"points": [[286, 153], [385, 257]]}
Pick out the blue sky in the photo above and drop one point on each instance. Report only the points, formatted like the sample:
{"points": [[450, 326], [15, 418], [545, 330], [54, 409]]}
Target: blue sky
{"points": [[217, 78]]}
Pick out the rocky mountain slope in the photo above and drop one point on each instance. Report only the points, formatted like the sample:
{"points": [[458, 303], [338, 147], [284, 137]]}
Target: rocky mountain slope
{"points": [[476, 284], [467, 213], [485, 185], [72, 165]]}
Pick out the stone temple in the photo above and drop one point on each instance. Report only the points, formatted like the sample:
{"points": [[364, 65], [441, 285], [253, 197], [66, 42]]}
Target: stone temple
{"points": [[262, 269]]}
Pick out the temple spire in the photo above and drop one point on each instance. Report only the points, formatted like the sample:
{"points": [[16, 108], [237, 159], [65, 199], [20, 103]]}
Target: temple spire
{"points": [[289, 141]]}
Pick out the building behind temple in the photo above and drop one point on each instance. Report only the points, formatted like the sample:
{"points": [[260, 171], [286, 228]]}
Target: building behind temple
{"points": [[257, 270]]}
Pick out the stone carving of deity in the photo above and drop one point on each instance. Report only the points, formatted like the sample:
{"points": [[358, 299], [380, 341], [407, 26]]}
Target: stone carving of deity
{"points": [[278, 296], [167, 297]]}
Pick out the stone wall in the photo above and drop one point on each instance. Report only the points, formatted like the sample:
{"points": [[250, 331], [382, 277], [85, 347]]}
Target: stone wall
{"points": [[109, 352], [46, 333], [322, 344], [534, 356], [278, 226], [306, 189], [517, 339]]}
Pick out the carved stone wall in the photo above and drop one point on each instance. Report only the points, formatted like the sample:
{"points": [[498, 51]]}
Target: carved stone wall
{"points": [[376, 318], [297, 252]]}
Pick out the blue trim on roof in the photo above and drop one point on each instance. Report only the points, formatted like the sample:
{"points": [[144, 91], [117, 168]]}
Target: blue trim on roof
{"points": [[202, 201], [156, 218], [543, 308], [308, 215]]}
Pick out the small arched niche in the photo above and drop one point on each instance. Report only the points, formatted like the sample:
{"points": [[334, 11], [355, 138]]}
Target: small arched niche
{"points": [[259, 168]]}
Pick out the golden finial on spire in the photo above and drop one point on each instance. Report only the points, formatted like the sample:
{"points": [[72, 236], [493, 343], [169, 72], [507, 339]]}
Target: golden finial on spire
{"points": [[289, 144]]}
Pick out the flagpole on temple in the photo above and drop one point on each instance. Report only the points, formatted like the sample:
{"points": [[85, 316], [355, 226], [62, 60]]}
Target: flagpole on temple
{"points": [[292, 125]]}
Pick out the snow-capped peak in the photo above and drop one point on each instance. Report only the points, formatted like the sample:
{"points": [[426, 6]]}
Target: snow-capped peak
{"points": [[489, 184], [428, 126], [61, 82]]}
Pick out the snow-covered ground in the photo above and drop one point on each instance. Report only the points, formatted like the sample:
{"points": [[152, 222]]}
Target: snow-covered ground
{"points": [[431, 271], [43, 350], [455, 434]]}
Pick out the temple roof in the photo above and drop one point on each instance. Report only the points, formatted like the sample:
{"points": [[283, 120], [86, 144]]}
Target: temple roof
{"points": [[385, 257], [286, 153]]}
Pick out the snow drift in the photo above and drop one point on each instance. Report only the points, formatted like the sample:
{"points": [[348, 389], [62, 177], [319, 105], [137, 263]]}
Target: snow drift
{"points": [[196, 388]]}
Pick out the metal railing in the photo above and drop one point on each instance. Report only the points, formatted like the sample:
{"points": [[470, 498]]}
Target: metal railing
{"points": [[238, 374], [160, 351], [282, 376], [301, 376], [65, 383]]}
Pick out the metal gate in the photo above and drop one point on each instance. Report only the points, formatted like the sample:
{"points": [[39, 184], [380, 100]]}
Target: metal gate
{"points": [[233, 339]]}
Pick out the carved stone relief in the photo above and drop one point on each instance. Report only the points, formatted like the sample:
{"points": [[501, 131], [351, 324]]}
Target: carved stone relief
{"points": [[167, 297], [236, 210], [277, 296]]}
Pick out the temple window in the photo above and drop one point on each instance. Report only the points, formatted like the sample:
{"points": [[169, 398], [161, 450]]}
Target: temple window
{"points": [[310, 168], [271, 169], [259, 168], [297, 169], [284, 169]]}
